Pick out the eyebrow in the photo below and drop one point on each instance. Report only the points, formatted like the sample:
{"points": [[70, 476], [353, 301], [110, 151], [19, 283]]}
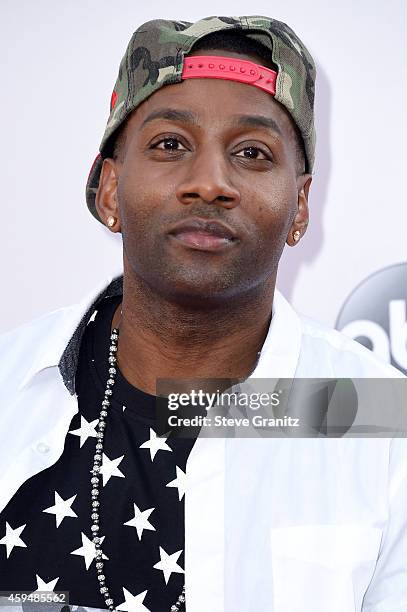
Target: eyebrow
{"points": [[188, 117], [171, 114], [257, 121]]}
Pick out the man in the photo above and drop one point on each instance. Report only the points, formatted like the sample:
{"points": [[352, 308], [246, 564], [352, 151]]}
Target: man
{"points": [[205, 169]]}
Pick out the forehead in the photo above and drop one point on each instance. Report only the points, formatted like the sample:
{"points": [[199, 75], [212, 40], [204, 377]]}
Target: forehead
{"points": [[215, 103]]}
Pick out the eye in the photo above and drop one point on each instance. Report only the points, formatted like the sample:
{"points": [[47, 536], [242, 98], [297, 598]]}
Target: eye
{"points": [[170, 143], [253, 152]]}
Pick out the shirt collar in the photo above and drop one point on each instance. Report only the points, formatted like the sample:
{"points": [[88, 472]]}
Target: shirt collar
{"points": [[278, 358], [280, 352]]}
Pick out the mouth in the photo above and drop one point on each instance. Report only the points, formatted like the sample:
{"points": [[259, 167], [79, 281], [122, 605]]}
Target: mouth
{"points": [[203, 234]]}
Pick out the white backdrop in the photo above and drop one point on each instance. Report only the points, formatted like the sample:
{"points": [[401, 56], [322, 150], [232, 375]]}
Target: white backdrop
{"points": [[59, 65]]}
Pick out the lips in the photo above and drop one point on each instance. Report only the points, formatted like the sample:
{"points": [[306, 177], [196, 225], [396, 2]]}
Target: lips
{"points": [[203, 234]]}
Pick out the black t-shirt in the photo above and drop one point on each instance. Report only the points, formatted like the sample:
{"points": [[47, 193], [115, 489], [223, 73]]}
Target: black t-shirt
{"points": [[45, 536]]}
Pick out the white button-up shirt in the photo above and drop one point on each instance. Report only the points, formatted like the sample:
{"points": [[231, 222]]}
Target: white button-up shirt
{"points": [[271, 525]]}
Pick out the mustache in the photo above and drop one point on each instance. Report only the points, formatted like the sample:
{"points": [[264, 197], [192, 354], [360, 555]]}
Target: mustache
{"points": [[206, 212]]}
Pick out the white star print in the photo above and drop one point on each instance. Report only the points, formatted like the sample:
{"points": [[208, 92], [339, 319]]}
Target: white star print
{"points": [[140, 520], [45, 586], [12, 538], [110, 468], [133, 603], [179, 483], [124, 408], [85, 431], [168, 564], [92, 318], [62, 508], [155, 443], [87, 550]]}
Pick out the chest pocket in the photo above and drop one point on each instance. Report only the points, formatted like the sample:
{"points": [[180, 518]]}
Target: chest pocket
{"points": [[316, 568]]}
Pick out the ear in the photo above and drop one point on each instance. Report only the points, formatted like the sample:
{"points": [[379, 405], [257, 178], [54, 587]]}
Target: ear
{"points": [[106, 195], [300, 222]]}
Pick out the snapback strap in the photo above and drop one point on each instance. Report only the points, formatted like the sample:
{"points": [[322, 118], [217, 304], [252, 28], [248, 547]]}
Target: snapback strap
{"points": [[231, 69]]}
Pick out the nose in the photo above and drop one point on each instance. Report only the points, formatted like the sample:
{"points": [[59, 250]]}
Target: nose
{"points": [[208, 180]]}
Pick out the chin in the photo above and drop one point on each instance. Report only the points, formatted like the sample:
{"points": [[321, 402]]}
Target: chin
{"points": [[198, 294]]}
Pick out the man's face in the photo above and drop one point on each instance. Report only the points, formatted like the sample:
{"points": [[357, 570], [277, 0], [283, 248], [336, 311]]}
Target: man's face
{"points": [[202, 151]]}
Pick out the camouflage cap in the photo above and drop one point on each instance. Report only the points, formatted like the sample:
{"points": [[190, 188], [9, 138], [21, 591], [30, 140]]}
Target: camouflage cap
{"points": [[155, 57]]}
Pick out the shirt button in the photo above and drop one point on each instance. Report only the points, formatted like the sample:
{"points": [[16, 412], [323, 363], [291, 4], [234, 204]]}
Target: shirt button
{"points": [[43, 448]]}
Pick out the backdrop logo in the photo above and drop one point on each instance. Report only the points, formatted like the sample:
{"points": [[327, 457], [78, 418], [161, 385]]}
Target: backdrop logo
{"points": [[375, 314]]}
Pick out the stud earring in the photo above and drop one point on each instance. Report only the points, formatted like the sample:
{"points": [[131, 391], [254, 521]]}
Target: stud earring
{"points": [[111, 221], [296, 235]]}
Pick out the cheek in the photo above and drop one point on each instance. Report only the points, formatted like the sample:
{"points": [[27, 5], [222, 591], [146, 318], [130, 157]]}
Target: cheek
{"points": [[275, 210], [141, 200]]}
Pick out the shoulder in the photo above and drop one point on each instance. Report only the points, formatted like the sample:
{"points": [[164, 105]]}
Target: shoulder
{"points": [[46, 336], [34, 342], [336, 352], [36, 328]]}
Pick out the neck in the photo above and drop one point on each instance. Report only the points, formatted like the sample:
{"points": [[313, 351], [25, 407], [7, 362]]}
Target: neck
{"points": [[164, 339]]}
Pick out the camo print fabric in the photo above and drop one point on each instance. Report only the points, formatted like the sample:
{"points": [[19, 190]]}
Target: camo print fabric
{"points": [[155, 58]]}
